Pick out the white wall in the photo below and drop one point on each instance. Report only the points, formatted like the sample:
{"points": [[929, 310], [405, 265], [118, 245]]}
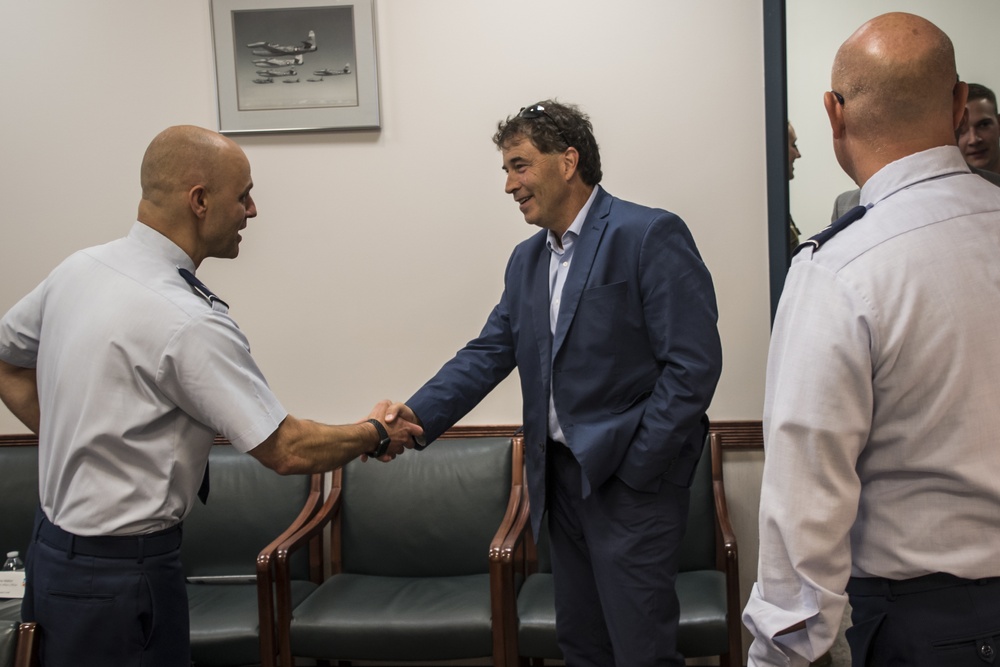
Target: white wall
{"points": [[815, 32], [377, 254]]}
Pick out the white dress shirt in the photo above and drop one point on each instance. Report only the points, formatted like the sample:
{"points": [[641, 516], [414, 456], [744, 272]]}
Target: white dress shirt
{"points": [[882, 406], [560, 258]]}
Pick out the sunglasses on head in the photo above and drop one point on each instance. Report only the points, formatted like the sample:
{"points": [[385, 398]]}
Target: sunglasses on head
{"points": [[537, 111]]}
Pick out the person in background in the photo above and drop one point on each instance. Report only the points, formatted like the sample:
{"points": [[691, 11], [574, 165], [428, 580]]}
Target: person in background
{"points": [[793, 155], [881, 473], [979, 138], [126, 366]]}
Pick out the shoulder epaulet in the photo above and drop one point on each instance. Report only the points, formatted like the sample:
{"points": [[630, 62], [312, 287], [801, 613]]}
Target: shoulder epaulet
{"points": [[201, 289], [841, 223]]}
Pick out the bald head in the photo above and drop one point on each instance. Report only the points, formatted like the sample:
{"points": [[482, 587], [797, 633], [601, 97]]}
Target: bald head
{"points": [[897, 77], [196, 191], [180, 158]]}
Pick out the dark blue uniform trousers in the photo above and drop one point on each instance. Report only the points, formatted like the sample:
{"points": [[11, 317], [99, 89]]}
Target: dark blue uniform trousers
{"points": [[103, 601], [614, 566], [934, 621]]}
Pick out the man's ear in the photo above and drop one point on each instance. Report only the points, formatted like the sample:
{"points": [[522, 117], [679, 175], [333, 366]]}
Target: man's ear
{"points": [[569, 160], [835, 112], [196, 200], [959, 96]]}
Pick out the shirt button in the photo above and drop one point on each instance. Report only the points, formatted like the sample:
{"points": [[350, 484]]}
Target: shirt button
{"points": [[986, 651]]}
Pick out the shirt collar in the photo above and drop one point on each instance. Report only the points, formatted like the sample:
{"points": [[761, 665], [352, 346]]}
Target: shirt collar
{"points": [[149, 237], [574, 229], [912, 169]]}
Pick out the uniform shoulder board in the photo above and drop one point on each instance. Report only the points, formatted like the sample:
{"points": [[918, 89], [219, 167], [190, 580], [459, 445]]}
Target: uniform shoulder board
{"points": [[841, 223], [201, 289]]}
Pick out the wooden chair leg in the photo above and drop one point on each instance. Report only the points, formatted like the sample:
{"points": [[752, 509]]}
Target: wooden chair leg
{"points": [[28, 636]]}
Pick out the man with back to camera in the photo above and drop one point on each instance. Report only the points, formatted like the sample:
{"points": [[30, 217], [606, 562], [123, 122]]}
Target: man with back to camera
{"points": [[974, 143], [881, 470], [126, 366], [609, 316], [980, 138]]}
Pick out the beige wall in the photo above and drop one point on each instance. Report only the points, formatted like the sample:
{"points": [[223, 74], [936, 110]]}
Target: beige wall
{"points": [[377, 254]]}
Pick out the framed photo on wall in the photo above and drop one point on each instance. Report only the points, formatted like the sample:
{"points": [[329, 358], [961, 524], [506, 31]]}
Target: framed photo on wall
{"points": [[295, 65]]}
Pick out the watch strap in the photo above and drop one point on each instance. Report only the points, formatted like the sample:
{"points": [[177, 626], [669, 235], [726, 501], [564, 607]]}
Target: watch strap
{"points": [[383, 439]]}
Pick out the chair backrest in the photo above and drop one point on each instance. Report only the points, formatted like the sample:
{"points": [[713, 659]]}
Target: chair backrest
{"points": [[428, 513], [248, 506], [698, 547], [19, 463]]}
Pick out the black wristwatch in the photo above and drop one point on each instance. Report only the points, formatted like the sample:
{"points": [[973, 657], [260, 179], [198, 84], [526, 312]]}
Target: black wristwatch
{"points": [[383, 440]]}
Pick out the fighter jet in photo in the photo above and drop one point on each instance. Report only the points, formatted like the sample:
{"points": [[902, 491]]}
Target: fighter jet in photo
{"points": [[263, 80], [276, 72], [273, 48], [289, 81], [346, 69], [278, 62], [319, 80]]}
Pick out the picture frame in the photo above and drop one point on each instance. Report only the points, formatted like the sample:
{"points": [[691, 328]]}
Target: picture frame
{"points": [[295, 65]]}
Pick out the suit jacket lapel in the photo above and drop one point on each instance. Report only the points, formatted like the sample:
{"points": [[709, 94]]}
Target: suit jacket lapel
{"points": [[537, 294], [583, 261]]}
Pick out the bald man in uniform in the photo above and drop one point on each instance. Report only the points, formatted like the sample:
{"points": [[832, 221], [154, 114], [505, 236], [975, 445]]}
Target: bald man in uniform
{"points": [[126, 366], [882, 472]]}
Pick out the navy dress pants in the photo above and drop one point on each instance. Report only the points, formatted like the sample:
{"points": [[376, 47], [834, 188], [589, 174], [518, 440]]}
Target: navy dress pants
{"points": [[933, 621], [614, 566], [107, 601]]}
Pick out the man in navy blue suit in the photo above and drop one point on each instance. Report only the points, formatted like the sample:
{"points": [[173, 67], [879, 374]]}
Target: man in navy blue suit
{"points": [[609, 315]]}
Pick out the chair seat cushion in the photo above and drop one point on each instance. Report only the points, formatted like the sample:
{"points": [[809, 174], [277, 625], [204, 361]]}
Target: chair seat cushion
{"points": [[702, 596], [536, 611], [225, 623], [366, 617], [702, 632], [10, 618]]}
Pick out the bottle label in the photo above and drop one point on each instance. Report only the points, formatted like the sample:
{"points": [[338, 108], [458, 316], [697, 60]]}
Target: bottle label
{"points": [[12, 584]]}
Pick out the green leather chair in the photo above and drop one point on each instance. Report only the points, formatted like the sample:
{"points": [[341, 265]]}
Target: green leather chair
{"points": [[227, 555], [409, 554], [707, 581], [19, 463]]}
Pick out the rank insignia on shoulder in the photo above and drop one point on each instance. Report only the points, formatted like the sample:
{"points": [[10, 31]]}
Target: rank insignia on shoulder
{"points": [[841, 223], [202, 290]]}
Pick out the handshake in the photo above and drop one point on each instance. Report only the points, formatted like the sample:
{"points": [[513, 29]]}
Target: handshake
{"points": [[398, 429]]}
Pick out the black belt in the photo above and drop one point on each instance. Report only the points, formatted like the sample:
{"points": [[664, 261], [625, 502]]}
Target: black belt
{"points": [[110, 546], [879, 586]]}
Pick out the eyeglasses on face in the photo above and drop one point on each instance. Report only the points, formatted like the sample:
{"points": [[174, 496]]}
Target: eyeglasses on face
{"points": [[537, 111]]}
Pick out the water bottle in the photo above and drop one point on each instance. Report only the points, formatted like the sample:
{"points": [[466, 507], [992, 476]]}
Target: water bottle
{"points": [[13, 562]]}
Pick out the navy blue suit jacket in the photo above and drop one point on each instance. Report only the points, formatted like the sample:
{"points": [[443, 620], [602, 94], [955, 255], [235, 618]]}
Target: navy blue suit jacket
{"points": [[633, 363]]}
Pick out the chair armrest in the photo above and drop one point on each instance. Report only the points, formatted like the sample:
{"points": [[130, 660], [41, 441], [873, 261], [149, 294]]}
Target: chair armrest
{"points": [[26, 654], [313, 528], [503, 597], [265, 572], [727, 553]]}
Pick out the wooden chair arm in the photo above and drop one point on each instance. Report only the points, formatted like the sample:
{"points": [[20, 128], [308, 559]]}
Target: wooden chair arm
{"points": [[312, 529], [28, 639], [728, 553], [265, 573]]}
